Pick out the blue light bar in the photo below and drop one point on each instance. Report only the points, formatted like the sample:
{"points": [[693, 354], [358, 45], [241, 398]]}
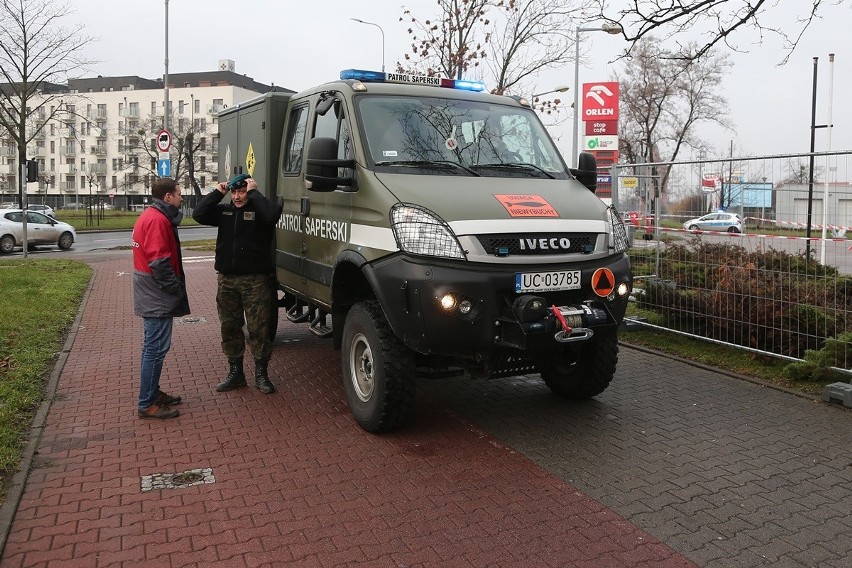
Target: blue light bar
{"points": [[469, 85], [361, 75]]}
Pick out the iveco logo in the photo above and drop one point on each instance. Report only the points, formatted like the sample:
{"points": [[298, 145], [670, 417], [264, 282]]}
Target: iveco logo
{"points": [[562, 243]]}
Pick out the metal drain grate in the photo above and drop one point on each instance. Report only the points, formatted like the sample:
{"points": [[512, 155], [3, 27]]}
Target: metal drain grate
{"points": [[189, 320], [176, 480]]}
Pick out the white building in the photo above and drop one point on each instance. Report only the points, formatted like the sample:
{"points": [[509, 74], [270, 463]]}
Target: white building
{"points": [[101, 143]]}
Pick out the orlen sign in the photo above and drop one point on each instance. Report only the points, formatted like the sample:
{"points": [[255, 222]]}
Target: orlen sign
{"points": [[600, 101]]}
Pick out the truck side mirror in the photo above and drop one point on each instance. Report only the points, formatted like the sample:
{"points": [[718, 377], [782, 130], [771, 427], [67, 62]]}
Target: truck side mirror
{"points": [[587, 171], [323, 166]]}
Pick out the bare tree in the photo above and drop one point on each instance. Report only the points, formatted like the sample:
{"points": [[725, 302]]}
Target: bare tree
{"points": [[717, 20], [532, 36], [663, 100], [507, 43], [37, 56], [452, 44]]}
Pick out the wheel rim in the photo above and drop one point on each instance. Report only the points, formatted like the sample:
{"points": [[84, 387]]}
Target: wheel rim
{"points": [[65, 241], [7, 245], [361, 371]]}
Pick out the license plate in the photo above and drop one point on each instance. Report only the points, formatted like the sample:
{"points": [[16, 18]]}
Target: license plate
{"points": [[547, 281]]}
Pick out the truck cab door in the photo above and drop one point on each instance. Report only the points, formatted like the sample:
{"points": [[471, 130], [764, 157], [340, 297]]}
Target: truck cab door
{"points": [[327, 214]]}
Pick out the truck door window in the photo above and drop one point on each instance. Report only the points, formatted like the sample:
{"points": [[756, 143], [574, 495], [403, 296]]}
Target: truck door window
{"points": [[294, 144], [333, 124]]}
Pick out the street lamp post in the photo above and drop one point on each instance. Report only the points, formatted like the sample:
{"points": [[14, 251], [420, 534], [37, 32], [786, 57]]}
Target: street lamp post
{"points": [[360, 21], [608, 28], [559, 89]]}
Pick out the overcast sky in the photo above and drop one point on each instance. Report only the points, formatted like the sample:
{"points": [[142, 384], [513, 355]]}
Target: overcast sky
{"points": [[297, 44]]}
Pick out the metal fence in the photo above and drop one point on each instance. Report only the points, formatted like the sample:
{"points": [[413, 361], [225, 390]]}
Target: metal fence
{"points": [[782, 286]]}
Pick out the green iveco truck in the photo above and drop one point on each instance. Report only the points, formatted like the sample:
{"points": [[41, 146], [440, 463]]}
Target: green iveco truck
{"points": [[433, 229]]}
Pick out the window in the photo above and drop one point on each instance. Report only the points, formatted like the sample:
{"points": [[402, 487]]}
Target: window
{"points": [[295, 141], [203, 165], [153, 107], [196, 105], [181, 104]]}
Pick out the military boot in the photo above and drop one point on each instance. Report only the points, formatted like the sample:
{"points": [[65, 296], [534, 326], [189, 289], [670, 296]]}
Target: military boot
{"points": [[261, 378], [235, 379]]}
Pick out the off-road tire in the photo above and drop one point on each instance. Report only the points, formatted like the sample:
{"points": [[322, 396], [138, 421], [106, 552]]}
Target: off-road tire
{"points": [[378, 370], [589, 376], [65, 241], [7, 244]]}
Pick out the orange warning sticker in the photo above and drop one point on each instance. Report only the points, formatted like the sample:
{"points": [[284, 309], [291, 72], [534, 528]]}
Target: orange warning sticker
{"points": [[603, 282], [527, 206]]}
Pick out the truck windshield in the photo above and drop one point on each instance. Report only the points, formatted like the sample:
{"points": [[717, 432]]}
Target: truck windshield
{"points": [[417, 135]]}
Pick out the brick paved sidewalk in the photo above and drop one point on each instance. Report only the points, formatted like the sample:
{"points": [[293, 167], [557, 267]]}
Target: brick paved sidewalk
{"points": [[292, 479]]}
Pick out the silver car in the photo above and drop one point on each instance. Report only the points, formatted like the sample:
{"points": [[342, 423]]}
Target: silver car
{"points": [[723, 222], [41, 230], [46, 209]]}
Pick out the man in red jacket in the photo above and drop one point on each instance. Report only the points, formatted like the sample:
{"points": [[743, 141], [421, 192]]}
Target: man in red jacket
{"points": [[159, 291]]}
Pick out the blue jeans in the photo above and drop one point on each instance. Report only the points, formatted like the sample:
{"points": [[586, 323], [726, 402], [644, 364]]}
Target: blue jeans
{"points": [[156, 342]]}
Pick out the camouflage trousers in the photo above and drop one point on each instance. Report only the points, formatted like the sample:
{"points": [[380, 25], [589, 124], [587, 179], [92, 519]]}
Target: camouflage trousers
{"points": [[249, 299]]}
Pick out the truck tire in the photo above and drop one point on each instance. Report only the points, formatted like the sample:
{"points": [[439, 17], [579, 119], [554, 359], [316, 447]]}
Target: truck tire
{"points": [[589, 376], [377, 369]]}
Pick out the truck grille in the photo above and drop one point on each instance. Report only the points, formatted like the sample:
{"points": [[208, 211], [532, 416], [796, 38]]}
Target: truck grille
{"points": [[538, 244]]}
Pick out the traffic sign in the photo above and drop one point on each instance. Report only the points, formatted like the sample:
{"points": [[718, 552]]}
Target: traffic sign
{"points": [[164, 140], [164, 168]]}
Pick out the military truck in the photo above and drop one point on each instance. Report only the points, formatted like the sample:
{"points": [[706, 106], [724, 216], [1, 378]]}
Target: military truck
{"points": [[431, 229]]}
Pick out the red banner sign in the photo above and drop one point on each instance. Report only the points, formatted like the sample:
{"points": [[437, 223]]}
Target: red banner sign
{"points": [[601, 127]]}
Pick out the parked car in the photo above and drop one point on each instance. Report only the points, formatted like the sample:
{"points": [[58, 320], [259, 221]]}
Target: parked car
{"points": [[41, 230], [73, 206], [46, 209], [729, 222]]}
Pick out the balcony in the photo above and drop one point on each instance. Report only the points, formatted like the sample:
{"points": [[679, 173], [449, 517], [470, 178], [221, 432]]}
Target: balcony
{"points": [[68, 186], [67, 150], [8, 151], [38, 151], [130, 112], [97, 114], [216, 109], [99, 150], [71, 168], [97, 168]]}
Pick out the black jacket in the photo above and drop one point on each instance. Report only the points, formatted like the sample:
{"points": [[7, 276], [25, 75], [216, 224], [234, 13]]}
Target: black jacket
{"points": [[245, 240]]}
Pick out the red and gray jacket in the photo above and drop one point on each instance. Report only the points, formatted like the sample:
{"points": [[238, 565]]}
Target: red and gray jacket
{"points": [[159, 283]]}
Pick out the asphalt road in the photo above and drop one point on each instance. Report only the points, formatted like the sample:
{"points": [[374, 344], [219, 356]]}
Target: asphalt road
{"points": [[96, 241]]}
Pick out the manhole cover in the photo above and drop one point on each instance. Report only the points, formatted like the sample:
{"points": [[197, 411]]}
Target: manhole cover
{"points": [[176, 480]]}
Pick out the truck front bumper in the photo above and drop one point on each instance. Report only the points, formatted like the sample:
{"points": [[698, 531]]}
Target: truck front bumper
{"points": [[464, 309]]}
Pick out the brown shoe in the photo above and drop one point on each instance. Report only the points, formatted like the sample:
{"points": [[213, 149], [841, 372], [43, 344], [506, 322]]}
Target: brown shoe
{"points": [[158, 411], [164, 399]]}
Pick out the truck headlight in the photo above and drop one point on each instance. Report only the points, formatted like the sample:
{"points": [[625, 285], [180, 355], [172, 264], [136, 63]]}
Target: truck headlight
{"points": [[419, 231], [618, 241]]}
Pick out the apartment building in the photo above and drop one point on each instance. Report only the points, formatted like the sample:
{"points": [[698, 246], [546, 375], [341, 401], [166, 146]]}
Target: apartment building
{"points": [[100, 145]]}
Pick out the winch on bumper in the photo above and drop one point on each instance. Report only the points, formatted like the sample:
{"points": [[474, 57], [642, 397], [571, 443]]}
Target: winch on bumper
{"points": [[450, 309]]}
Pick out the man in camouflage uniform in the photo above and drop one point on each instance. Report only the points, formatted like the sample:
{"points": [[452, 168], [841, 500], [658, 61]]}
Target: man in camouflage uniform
{"points": [[244, 264]]}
